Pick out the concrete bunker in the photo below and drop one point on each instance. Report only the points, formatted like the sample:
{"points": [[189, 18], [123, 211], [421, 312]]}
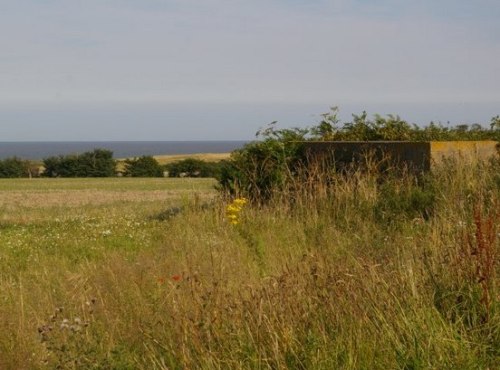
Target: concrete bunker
{"points": [[415, 156]]}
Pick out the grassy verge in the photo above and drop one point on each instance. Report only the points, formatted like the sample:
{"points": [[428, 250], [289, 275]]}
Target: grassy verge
{"points": [[150, 274]]}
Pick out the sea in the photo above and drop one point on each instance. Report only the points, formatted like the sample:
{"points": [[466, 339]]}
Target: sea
{"points": [[121, 149]]}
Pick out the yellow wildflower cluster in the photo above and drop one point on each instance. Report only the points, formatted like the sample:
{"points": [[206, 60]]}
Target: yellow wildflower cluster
{"points": [[233, 210]]}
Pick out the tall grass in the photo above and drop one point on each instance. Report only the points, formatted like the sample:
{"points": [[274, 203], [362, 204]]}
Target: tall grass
{"points": [[338, 272]]}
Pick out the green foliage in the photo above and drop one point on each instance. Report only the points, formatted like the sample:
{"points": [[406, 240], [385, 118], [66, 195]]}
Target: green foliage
{"points": [[495, 123], [327, 127], [98, 163], [14, 168], [397, 202], [145, 166], [228, 178], [263, 167], [394, 128], [191, 167], [274, 162]]}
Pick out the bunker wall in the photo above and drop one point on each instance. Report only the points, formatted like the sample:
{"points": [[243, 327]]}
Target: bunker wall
{"points": [[462, 149], [415, 156]]}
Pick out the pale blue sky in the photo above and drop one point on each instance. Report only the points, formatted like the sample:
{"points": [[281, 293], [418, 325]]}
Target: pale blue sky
{"points": [[220, 69]]}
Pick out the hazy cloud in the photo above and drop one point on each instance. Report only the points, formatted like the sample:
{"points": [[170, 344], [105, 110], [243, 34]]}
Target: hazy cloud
{"points": [[249, 52]]}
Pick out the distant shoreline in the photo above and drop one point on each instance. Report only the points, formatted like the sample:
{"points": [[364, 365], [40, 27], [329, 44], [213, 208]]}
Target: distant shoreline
{"points": [[37, 151]]}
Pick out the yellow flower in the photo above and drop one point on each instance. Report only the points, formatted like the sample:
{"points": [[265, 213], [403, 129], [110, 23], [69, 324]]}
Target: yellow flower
{"points": [[240, 201], [233, 210]]}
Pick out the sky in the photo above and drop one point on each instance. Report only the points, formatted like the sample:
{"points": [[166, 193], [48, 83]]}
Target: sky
{"points": [[221, 69]]}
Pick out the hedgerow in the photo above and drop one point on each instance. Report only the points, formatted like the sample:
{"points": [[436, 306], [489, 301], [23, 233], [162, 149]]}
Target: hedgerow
{"points": [[277, 159]]}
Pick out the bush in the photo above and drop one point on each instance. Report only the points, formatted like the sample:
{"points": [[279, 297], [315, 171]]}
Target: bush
{"points": [[262, 168], [145, 166], [191, 167], [98, 163], [14, 168], [275, 162]]}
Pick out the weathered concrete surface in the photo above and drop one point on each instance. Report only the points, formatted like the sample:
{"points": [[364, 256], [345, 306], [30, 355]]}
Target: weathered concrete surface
{"points": [[462, 149], [415, 156]]}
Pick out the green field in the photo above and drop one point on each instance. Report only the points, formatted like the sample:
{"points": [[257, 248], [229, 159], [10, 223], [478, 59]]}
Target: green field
{"points": [[127, 273]]}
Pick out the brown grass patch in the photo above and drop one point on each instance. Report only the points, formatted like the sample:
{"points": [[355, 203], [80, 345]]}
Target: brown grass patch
{"points": [[76, 198], [207, 157]]}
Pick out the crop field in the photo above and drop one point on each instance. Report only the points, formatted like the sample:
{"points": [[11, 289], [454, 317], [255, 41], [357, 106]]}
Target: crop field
{"points": [[170, 158], [207, 157], [357, 273]]}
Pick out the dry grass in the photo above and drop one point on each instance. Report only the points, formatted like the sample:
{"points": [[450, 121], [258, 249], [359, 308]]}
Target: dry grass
{"points": [[304, 283], [77, 198], [207, 157], [170, 158]]}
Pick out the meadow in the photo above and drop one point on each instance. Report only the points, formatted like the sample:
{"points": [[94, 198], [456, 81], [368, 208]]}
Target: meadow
{"points": [[350, 273]]}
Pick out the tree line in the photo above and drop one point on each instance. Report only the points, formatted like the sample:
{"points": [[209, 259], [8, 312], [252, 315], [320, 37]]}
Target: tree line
{"points": [[100, 163]]}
